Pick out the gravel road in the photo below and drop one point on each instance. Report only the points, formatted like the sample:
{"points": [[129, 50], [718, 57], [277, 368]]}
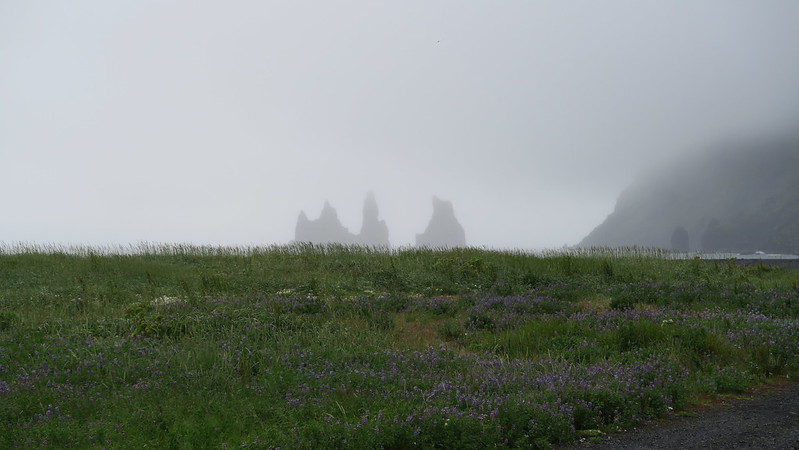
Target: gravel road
{"points": [[766, 418]]}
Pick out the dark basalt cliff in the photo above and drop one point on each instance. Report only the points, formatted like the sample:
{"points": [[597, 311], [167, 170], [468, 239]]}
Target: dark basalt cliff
{"points": [[742, 200]]}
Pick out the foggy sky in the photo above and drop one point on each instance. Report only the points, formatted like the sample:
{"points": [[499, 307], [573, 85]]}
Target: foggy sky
{"points": [[216, 122]]}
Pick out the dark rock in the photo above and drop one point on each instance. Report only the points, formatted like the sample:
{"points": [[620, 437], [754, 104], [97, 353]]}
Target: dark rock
{"points": [[444, 230], [325, 230], [740, 199], [374, 231]]}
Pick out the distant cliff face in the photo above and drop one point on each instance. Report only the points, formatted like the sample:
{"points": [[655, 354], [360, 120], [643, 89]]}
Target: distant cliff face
{"points": [[738, 200]]}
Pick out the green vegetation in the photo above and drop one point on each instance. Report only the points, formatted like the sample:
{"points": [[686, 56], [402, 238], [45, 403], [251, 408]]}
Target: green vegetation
{"points": [[329, 347]]}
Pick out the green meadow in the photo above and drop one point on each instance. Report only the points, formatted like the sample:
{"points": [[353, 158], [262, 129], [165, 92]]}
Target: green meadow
{"points": [[303, 346]]}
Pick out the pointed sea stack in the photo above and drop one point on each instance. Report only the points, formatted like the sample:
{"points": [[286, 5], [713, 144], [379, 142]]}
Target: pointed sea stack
{"points": [[374, 231], [444, 230], [325, 230]]}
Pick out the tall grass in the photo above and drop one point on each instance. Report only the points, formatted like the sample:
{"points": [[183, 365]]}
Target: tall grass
{"points": [[307, 346], [160, 248]]}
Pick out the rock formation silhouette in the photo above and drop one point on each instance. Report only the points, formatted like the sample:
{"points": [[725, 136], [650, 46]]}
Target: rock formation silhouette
{"points": [[327, 229], [444, 230], [374, 231]]}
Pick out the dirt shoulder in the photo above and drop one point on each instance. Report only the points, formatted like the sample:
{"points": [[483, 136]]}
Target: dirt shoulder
{"points": [[766, 418]]}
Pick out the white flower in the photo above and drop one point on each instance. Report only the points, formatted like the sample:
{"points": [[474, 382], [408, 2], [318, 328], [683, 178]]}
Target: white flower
{"points": [[164, 301]]}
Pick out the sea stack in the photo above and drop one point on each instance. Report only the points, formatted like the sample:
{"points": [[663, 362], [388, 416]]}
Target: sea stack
{"points": [[325, 230], [374, 231], [444, 230]]}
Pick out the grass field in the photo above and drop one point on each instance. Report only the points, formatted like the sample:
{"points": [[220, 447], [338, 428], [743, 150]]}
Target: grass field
{"points": [[342, 347]]}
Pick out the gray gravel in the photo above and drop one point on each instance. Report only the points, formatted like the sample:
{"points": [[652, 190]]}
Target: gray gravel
{"points": [[765, 419], [785, 263]]}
